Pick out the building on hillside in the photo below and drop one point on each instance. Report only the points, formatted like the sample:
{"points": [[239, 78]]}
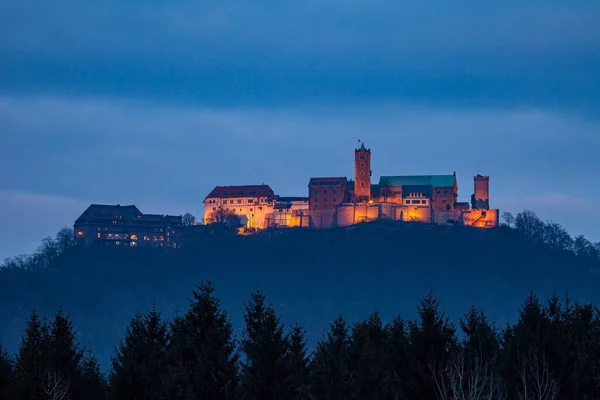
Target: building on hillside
{"points": [[289, 212], [252, 203], [337, 201], [117, 225]]}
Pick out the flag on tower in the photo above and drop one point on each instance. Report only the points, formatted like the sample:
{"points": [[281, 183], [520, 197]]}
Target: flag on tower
{"points": [[358, 140]]}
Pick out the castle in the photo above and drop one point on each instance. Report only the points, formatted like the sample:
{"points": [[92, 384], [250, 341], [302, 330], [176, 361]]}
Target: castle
{"points": [[331, 202], [337, 201]]}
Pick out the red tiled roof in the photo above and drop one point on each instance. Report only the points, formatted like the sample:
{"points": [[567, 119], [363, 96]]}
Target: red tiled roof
{"points": [[340, 180], [241, 191]]}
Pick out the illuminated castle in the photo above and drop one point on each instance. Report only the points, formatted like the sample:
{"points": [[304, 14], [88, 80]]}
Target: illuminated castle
{"points": [[337, 201]]}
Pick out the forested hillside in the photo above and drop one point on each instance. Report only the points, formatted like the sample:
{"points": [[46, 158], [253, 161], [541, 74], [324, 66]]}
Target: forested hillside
{"points": [[311, 277]]}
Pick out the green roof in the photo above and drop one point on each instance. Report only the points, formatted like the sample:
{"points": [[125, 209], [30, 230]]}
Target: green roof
{"points": [[419, 180]]}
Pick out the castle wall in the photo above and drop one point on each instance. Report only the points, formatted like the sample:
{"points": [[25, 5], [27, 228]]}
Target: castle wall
{"points": [[413, 214], [481, 218], [348, 214]]}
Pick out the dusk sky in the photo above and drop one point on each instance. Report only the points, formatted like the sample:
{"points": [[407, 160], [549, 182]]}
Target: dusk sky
{"points": [[154, 103]]}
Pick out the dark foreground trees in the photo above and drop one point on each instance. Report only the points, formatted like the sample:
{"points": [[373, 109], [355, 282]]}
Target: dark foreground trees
{"points": [[551, 352]]}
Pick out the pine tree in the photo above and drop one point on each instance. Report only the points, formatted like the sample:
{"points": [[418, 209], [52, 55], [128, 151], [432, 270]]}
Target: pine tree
{"points": [[32, 360], [432, 342], [398, 380], [64, 356], [298, 361], [93, 381], [481, 338], [266, 373], [202, 358], [6, 375], [330, 368], [526, 350], [369, 358], [139, 364]]}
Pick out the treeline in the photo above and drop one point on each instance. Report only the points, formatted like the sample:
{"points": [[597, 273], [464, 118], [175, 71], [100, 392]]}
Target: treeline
{"points": [[551, 352], [551, 234]]}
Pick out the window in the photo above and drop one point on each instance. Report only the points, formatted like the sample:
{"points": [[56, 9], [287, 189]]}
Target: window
{"points": [[230, 201], [363, 157], [334, 191], [362, 173], [239, 201], [445, 192], [438, 192], [362, 165], [334, 199], [325, 199], [325, 192], [250, 201], [260, 208], [362, 184], [316, 199], [214, 208]]}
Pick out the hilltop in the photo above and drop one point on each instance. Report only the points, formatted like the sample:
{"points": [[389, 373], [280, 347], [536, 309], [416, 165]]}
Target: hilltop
{"points": [[310, 276]]}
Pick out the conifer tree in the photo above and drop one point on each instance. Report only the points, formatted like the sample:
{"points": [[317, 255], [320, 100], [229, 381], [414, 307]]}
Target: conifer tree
{"points": [[298, 361], [398, 380], [202, 358], [6, 375], [432, 342], [481, 338], [32, 360], [368, 358], [266, 372], [526, 349], [139, 364], [330, 367], [93, 381], [64, 356]]}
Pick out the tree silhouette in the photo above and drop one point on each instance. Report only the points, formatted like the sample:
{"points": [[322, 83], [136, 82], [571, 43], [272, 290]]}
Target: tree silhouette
{"points": [[139, 364], [6, 375], [201, 357], [331, 373], [188, 219], [432, 342], [266, 372], [31, 364]]}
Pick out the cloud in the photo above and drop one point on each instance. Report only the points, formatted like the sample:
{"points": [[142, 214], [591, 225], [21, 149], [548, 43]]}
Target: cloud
{"points": [[507, 53]]}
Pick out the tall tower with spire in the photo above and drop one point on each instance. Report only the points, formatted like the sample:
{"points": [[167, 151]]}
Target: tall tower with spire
{"points": [[362, 173]]}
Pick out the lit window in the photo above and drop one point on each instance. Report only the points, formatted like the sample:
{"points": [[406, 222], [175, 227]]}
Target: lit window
{"points": [[99, 235], [80, 234]]}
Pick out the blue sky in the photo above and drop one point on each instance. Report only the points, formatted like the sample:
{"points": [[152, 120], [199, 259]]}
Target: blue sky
{"points": [[154, 103]]}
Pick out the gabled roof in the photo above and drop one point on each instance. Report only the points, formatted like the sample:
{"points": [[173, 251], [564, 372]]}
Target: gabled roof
{"points": [[418, 180], [104, 211], [329, 181], [241, 191]]}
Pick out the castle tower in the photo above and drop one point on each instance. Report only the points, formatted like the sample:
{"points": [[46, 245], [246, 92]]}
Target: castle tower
{"points": [[362, 174], [481, 195]]}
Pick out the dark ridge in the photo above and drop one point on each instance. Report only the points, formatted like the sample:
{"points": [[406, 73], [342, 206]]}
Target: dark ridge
{"points": [[311, 277]]}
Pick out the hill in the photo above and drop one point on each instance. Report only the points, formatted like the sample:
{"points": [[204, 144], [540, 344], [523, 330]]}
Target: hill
{"points": [[310, 276]]}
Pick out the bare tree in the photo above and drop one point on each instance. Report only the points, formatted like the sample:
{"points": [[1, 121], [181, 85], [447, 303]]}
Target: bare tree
{"points": [[536, 381], [468, 378], [56, 386], [188, 219], [508, 218], [385, 190]]}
